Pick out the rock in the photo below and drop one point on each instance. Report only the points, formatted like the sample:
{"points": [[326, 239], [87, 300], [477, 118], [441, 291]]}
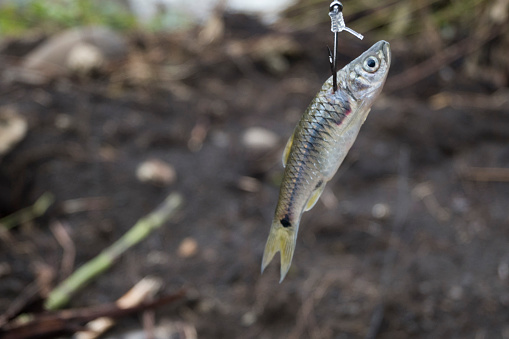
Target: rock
{"points": [[248, 319], [213, 30], [139, 71], [259, 139], [75, 48], [249, 184], [456, 292], [157, 172], [188, 248], [381, 211], [13, 128], [85, 57]]}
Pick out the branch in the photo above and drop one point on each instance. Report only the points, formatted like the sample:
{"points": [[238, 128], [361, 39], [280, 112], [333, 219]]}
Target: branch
{"points": [[63, 292], [28, 213], [53, 324]]}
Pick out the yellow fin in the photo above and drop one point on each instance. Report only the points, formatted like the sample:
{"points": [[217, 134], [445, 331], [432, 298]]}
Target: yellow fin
{"points": [[314, 197], [366, 115], [286, 153], [280, 240]]}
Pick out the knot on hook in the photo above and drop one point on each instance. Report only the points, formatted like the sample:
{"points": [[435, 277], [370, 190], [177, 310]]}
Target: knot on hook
{"points": [[337, 21]]}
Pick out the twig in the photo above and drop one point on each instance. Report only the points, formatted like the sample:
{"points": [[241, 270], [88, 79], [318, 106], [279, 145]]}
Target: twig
{"points": [[85, 204], [424, 191], [26, 297], [149, 321], [485, 102], [28, 213], [139, 293], [67, 244], [63, 292], [486, 174], [433, 64], [52, 324]]}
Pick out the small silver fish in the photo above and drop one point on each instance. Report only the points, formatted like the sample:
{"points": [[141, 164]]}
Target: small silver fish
{"points": [[320, 143]]}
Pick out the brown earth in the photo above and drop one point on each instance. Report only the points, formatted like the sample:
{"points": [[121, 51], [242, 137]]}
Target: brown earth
{"points": [[410, 230]]}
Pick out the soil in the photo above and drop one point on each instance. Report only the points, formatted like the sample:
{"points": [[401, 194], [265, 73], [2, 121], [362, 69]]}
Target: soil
{"points": [[410, 239]]}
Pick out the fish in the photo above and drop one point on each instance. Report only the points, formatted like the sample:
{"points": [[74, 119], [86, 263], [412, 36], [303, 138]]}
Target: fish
{"points": [[320, 143]]}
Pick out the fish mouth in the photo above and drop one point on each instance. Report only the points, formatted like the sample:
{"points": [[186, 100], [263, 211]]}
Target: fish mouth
{"points": [[386, 50]]}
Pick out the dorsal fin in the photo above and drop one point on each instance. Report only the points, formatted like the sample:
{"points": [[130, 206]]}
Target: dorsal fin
{"points": [[286, 153]]}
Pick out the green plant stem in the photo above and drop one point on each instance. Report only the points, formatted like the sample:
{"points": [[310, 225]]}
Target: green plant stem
{"points": [[63, 292], [28, 213]]}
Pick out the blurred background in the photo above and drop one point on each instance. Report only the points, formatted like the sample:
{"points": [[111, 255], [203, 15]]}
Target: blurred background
{"points": [[107, 107]]}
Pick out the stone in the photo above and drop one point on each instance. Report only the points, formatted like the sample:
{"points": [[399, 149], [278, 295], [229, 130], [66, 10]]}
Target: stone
{"points": [[157, 172], [259, 139]]}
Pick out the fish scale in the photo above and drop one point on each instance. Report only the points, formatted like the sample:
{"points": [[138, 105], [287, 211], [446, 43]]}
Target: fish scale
{"points": [[320, 142]]}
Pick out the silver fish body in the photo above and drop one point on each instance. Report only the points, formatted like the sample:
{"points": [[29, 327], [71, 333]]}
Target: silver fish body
{"points": [[321, 142]]}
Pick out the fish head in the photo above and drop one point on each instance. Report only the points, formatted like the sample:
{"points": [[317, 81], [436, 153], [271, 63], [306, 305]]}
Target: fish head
{"points": [[365, 76]]}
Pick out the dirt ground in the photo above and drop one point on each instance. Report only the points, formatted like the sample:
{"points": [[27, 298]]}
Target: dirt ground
{"points": [[410, 239]]}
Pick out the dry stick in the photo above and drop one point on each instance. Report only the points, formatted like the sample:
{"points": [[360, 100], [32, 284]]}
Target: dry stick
{"points": [[26, 297], [28, 213], [64, 239], [63, 292], [486, 174], [50, 324], [433, 64], [145, 288]]}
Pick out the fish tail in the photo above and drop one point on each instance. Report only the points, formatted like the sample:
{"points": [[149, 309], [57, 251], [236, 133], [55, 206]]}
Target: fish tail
{"points": [[280, 240]]}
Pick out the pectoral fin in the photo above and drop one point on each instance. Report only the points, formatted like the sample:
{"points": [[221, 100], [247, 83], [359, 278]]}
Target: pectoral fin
{"points": [[286, 153], [315, 196], [366, 115]]}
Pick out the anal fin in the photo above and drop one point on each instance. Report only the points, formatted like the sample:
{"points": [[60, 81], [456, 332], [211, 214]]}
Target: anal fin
{"points": [[314, 197]]}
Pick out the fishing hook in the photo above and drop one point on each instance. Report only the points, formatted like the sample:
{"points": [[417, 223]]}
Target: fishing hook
{"points": [[337, 25]]}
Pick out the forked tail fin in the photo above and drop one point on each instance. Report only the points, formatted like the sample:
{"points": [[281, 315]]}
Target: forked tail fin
{"points": [[280, 240]]}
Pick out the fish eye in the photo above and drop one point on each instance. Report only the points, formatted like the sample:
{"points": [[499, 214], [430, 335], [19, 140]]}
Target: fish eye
{"points": [[371, 64]]}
